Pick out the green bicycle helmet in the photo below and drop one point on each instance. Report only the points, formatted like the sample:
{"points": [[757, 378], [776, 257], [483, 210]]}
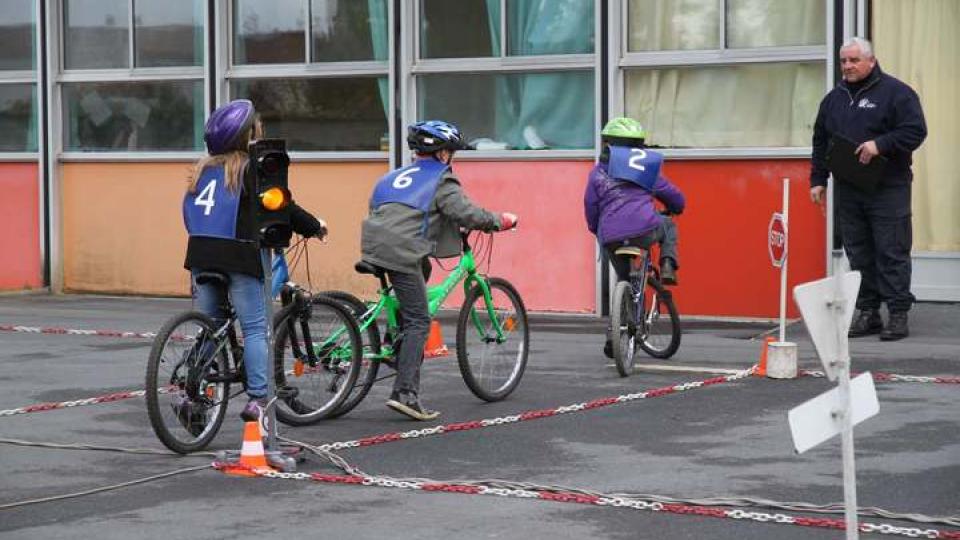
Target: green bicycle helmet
{"points": [[623, 131]]}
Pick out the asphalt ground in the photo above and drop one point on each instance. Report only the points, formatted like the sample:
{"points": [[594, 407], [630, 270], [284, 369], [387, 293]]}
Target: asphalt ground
{"points": [[726, 440]]}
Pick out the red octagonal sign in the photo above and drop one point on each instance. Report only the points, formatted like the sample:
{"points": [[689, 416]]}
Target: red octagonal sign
{"points": [[777, 239]]}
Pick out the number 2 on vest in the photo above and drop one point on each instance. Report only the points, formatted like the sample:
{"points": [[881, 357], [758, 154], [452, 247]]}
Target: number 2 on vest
{"points": [[638, 156]]}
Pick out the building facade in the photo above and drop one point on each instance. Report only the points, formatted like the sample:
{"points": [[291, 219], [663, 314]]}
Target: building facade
{"points": [[102, 105]]}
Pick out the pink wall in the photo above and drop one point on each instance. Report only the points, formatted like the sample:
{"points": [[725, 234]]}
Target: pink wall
{"points": [[20, 258]]}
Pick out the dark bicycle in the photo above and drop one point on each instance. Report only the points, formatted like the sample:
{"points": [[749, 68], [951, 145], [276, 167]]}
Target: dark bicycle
{"points": [[642, 314]]}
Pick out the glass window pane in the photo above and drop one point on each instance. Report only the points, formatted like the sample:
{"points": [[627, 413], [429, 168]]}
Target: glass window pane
{"points": [[667, 25], [325, 114], [17, 35], [345, 30], [549, 27], [168, 33], [97, 34], [761, 23], [727, 106], [513, 111], [133, 116], [18, 118], [268, 32], [461, 29]]}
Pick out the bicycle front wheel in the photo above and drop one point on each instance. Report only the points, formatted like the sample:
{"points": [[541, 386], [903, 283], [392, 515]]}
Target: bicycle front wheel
{"points": [[317, 357], [371, 350], [186, 387], [659, 332], [493, 340], [623, 317]]}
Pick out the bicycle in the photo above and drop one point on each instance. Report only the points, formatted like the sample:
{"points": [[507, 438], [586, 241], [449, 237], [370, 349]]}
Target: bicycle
{"points": [[642, 313], [493, 337], [193, 361]]}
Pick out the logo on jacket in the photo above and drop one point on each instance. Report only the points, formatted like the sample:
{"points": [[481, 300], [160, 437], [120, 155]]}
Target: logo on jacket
{"points": [[866, 104]]}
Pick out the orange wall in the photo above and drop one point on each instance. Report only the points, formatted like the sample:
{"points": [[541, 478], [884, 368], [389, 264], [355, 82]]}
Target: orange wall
{"points": [[123, 233], [20, 257]]}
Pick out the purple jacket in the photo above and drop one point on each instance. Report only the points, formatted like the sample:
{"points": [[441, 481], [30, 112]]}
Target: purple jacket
{"points": [[617, 210]]}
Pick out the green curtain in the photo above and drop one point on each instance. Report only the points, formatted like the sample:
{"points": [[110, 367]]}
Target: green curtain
{"points": [[379, 35], [546, 110]]}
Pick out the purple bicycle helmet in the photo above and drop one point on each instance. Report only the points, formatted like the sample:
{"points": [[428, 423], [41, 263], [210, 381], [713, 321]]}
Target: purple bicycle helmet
{"points": [[227, 124], [432, 136]]}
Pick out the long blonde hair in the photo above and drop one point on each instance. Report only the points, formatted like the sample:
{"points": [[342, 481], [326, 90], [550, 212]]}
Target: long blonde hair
{"points": [[233, 162]]}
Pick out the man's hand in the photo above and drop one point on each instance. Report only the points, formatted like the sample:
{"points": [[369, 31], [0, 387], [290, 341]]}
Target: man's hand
{"points": [[321, 233], [867, 151], [508, 221], [817, 195]]}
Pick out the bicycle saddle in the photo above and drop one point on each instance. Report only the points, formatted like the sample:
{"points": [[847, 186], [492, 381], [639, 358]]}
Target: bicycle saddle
{"points": [[363, 267], [215, 278], [630, 250]]}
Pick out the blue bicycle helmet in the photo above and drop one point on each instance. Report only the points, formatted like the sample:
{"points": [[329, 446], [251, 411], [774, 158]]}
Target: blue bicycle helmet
{"points": [[226, 126], [431, 136]]}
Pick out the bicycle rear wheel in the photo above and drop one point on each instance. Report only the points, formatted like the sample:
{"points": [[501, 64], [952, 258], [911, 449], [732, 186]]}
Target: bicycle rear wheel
{"points": [[371, 349], [623, 315], [317, 357], [493, 362], [659, 333], [186, 407]]}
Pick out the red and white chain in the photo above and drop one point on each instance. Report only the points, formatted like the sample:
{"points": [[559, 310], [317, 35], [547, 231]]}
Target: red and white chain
{"points": [[892, 377], [548, 494], [532, 415], [53, 406], [75, 331]]}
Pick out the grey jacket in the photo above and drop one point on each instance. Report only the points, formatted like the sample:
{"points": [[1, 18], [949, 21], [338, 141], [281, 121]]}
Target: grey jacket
{"points": [[390, 236]]}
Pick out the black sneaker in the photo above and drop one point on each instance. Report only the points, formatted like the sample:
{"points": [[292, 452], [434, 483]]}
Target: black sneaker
{"points": [[192, 416], [896, 327], [409, 404], [866, 323], [608, 349], [668, 271]]}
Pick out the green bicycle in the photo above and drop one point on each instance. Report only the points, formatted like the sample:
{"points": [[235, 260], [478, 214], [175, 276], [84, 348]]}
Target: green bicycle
{"points": [[493, 338]]}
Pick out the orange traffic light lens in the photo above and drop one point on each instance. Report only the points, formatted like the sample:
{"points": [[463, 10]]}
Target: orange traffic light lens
{"points": [[273, 199]]}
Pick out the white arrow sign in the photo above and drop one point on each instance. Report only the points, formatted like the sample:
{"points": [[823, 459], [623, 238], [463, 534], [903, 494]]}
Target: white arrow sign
{"points": [[828, 312], [821, 418]]}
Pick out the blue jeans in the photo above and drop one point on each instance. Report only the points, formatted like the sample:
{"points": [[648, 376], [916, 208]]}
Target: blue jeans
{"points": [[246, 294]]}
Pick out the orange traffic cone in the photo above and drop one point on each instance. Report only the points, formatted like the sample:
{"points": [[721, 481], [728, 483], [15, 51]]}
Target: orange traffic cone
{"points": [[252, 456], [435, 346], [761, 370]]}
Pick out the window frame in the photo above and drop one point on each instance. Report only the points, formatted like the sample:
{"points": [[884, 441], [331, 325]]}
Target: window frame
{"points": [[28, 76], [61, 76], [227, 72], [622, 60], [413, 66]]}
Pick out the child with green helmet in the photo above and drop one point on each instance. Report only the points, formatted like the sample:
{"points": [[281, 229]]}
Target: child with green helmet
{"points": [[620, 202]]}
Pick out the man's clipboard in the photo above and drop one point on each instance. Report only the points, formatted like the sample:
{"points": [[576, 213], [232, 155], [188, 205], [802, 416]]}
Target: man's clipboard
{"points": [[845, 165]]}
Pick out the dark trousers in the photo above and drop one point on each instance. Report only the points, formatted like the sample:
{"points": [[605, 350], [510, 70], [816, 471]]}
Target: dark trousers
{"points": [[665, 234], [877, 234], [411, 292]]}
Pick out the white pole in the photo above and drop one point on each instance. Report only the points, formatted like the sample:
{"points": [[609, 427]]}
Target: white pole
{"points": [[846, 410], [786, 256]]}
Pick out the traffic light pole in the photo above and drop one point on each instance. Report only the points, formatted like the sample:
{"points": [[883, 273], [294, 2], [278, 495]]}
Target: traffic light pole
{"points": [[267, 265]]}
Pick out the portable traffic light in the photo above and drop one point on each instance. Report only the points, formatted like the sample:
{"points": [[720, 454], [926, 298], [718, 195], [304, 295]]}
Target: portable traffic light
{"points": [[269, 161]]}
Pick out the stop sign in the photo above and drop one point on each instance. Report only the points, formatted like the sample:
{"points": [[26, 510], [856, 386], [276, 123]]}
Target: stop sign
{"points": [[777, 239]]}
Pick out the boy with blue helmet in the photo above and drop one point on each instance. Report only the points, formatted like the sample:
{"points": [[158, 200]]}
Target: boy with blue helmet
{"points": [[219, 218], [417, 212], [620, 201]]}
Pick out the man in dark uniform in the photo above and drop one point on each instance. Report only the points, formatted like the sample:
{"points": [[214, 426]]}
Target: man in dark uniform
{"points": [[882, 117]]}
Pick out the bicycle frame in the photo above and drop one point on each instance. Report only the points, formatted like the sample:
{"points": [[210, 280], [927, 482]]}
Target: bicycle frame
{"points": [[466, 271]]}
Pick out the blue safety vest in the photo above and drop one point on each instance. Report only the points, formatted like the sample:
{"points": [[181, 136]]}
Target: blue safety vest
{"points": [[212, 209], [636, 165], [414, 185]]}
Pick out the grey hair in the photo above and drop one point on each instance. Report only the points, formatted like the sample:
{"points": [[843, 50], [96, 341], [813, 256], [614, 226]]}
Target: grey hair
{"points": [[865, 46]]}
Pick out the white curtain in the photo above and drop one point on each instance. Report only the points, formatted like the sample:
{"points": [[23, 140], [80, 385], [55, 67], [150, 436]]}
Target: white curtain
{"points": [[762, 104], [917, 42]]}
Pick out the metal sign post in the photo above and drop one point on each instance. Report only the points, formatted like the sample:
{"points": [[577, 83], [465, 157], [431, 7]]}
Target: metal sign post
{"points": [[782, 354], [827, 309], [271, 419]]}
